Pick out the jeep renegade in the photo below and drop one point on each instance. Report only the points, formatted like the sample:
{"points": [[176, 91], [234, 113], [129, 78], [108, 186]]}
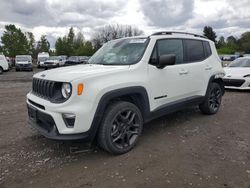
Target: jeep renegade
{"points": [[126, 83]]}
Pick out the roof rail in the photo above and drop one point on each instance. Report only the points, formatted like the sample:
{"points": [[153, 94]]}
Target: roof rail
{"points": [[177, 32]]}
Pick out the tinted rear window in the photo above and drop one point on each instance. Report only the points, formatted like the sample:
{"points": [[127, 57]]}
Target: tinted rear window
{"points": [[194, 50]]}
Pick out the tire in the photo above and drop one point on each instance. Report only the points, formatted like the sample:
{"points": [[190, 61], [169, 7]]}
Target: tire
{"points": [[17, 70], [212, 101], [120, 128], [1, 70]]}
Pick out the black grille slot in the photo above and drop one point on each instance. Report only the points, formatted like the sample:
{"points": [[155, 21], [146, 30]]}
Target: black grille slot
{"points": [[233, 82], [43, 88]]}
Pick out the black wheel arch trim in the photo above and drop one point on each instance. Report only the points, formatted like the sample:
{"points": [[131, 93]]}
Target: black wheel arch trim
{"points": [[217, 80], [113, 94]]}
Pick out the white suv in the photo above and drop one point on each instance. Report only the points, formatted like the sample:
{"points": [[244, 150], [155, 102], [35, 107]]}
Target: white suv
{"points": [[128, 82], [4, 65]]}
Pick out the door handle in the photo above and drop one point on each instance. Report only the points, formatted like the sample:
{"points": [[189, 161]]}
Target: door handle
{"points": [[182, 72], [208, 68]]}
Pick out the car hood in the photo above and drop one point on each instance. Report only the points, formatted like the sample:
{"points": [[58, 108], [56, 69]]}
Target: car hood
{"points": [[237, 71], [68, 74], [23, 62], [51, 61]]}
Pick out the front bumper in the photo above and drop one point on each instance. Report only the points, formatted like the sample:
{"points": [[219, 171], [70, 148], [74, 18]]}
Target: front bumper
{"points": [[24, 66], [45, 124], [54, 120], [237, 83]]}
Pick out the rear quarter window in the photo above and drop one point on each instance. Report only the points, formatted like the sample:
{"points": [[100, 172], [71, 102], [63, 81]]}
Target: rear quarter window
{"points": [[207, 49]]}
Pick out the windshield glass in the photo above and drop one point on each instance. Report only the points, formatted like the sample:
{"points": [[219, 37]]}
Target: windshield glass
{"points": [[42, 58], [242, 62], [23, 58], [120, 52], [53, 58], [73, 58]]}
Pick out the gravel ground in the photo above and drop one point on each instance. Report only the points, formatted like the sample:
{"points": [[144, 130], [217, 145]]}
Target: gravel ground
{"points": [[184, 149]]}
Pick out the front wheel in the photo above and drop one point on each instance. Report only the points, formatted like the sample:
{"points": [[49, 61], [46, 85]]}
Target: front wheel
{"points": [[121, 127], [212, 101], [1, 70]]}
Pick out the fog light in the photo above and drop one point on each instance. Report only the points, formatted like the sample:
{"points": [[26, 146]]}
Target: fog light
{"points": [[69, 120]]}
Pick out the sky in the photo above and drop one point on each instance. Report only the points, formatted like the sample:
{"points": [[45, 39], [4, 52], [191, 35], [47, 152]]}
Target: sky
{"points": [[53, 18]]}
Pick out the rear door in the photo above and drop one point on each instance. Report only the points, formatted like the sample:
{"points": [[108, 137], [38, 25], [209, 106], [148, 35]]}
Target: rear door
{"points": [[196, 59]]}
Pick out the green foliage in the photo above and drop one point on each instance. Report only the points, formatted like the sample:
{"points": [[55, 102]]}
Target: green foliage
{"points": [[225, 50], [43, 44], [209, 33], [245, 42], [14, 41], [31, 44], [73, 45]]}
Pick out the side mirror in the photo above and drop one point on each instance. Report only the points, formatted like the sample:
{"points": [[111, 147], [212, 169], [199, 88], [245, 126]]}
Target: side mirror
{"points": [[165, 60]]}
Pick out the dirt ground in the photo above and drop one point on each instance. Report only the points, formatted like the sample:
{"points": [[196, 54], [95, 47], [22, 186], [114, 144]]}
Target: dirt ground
{"points": [[184, 149]]}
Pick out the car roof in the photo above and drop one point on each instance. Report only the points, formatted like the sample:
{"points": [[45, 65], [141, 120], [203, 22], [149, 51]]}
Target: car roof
{"points": [[171, 34]]}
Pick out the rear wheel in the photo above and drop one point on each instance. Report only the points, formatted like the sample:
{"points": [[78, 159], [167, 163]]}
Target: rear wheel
{"points": [[121, 127], [212, 102], [1, 70]]}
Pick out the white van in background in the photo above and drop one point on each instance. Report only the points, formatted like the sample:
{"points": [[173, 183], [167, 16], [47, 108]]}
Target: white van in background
{"points": [[24, 62], [4, 65], [41, 58]]}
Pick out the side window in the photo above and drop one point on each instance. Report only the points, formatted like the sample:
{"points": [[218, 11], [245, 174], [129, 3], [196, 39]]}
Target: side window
{"points": [[207, 49], [194, 51], [171, 46]]}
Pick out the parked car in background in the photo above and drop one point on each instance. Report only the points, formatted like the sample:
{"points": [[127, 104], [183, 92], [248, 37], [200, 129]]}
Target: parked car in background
{"points": [[63, 58], [230, 57], [23, 62], [41, 58], [53, 62], [4, 65], [73, 60], [84, 59], [9, 62], [238, 74]]}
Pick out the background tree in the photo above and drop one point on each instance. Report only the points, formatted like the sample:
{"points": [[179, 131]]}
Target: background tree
{"points": [[111, 32], [14, 41], [244, 42], [31, 44], [43, 44], [221, 43], [209, 33]]}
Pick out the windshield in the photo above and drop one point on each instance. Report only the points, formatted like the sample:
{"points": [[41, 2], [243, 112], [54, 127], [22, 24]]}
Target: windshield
{"points": [[42, 58], [53, 58], [73, 58], [23, 58], [242, 62], [120, 52]]}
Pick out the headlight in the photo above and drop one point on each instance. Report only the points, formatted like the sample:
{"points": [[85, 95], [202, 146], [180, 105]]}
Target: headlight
{"points": [[66, 90]]}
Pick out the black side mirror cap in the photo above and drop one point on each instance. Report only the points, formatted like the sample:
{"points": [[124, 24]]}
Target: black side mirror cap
{"points": [[166, 60]]}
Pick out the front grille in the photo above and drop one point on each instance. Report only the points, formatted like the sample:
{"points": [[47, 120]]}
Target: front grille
{"points": [[43, 88], [233, 82], [49, 63]]}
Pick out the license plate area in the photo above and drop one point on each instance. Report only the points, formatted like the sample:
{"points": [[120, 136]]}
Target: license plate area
{"points": [[32, 113]]}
